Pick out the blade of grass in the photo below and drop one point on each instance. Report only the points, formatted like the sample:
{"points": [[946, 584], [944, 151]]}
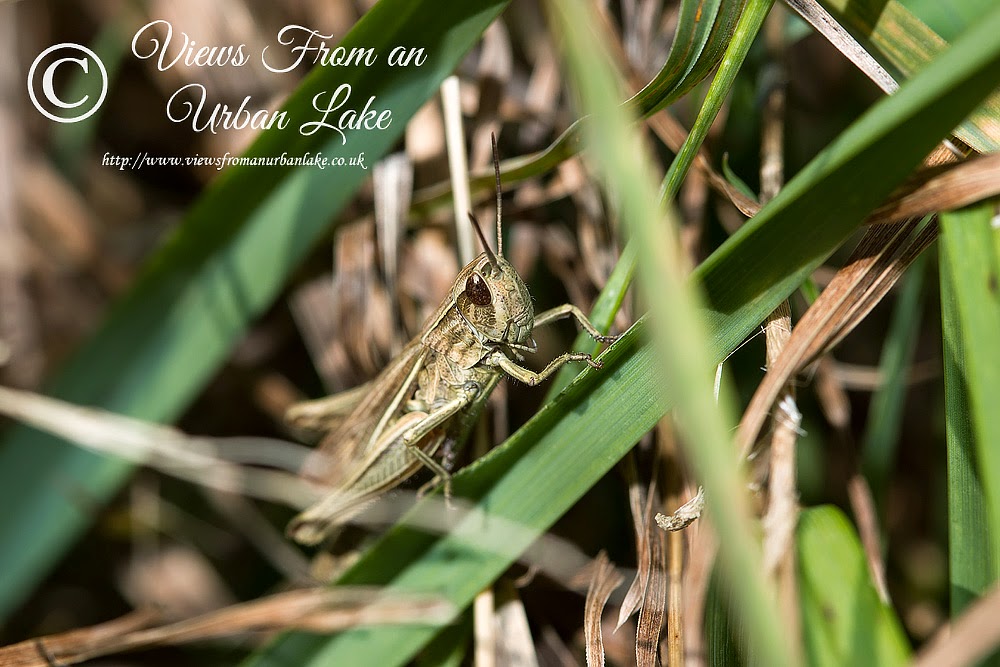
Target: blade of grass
{"points": [[724, 634], [844, 621], [611, 297], [224, 265], [970, 264], [71, 140], [678, 331], [703, 28], [523, 486]]}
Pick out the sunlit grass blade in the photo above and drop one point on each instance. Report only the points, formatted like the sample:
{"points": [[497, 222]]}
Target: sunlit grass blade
{"points": [[843, 620], [677, 329], [970, 264], [611, 297]]}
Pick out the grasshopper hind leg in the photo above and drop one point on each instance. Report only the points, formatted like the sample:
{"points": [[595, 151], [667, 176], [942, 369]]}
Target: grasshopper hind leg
{"points": [[412, 437]]}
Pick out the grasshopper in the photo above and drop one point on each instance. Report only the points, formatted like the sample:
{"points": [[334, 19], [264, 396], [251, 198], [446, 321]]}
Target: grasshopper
{"points": [[427, 399]]}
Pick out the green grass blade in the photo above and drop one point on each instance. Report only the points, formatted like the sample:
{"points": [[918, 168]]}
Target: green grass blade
{"points": [[970, 264], [949, 19], [223, 266], [678, 331], [703, 29], [449, 648], [523, 486], [71, 140], [724, 634], [741, 39], [843, 620]]}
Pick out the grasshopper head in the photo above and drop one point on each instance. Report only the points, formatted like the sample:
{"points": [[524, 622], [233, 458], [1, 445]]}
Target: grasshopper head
{"points": [[494, 301], [491, 297]]}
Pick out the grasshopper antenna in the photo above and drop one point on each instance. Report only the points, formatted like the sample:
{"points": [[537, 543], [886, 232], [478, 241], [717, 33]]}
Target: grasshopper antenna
{"points": [[482, 238], [496, 169]]}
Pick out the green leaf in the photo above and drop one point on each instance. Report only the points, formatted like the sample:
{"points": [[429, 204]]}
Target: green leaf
{"points": [[225, 264], [843, 620], [522, 487], [679, 336], [970, 304], [702, 34]]}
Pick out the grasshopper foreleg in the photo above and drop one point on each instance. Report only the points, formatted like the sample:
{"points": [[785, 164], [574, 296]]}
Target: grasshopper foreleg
{"points": [[532, 378], [569, 310], [412, 437]]}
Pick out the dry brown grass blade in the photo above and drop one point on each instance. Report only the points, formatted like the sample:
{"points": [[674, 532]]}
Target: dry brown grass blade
{"points": [[212, 462], [873, 268], [313, 306], [863, 377], [866, 517], [674, 641], [484, 629], [826, 25], [393, 185], [969, 639], [57, 649], [317, 610], [654, 604], [781, 512], [604, 580], [942, 188], [644, 533], [515, 646], [363, 307]]}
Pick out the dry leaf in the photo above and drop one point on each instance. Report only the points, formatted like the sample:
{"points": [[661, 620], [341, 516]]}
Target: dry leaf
{"points": [[320, 610], [514, 643], [942, 188], [643, 528], [212, 462], [604, 580], [972, 637], [654, 604], [876, 264]]}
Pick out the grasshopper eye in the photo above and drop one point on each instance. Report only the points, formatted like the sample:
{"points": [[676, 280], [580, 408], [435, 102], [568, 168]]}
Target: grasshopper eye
{"points": [[477, 290]]}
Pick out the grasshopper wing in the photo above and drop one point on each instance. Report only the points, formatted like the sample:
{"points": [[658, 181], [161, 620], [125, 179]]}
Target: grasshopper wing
{"points": [[337, 458], [345, 458], [311, 420]]}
